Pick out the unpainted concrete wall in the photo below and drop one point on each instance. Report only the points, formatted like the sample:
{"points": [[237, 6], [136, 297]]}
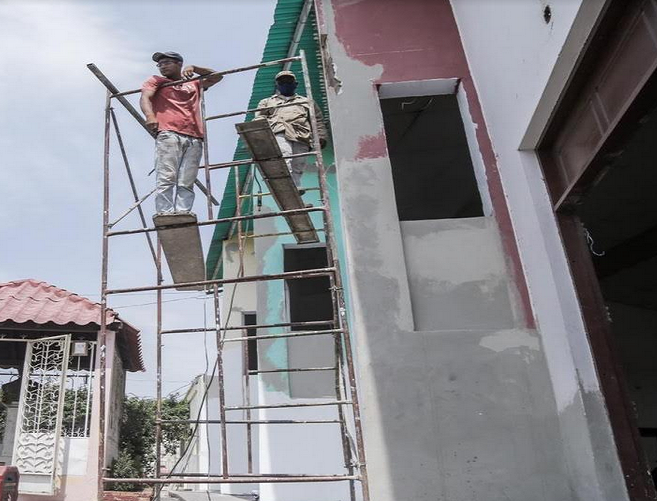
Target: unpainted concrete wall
{"points": [[521, 65], [458, 398]]}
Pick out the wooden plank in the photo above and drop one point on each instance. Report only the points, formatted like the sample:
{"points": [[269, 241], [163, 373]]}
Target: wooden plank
{"points": [[182, 247], [260, 140]]}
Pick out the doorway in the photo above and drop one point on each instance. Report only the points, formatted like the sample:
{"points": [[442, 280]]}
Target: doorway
{"points": [[599, 157], [618, 217]]}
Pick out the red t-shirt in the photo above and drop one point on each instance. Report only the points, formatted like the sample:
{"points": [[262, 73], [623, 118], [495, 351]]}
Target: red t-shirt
{"points": [[177, 108]]}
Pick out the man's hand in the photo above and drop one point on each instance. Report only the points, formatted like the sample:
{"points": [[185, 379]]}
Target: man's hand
{"points": [[206, 82], [152, 124], [188, 72]]}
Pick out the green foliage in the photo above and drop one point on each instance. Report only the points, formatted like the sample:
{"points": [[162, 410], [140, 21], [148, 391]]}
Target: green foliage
{"points": [[3, 417], [124, 466], [137, 435], [75, 407]]}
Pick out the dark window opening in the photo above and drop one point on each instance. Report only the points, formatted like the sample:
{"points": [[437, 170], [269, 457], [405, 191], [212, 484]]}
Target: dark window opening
{"points": [[619, 214], [431, 165], [309, 298], [252, 344], [310, 301]]}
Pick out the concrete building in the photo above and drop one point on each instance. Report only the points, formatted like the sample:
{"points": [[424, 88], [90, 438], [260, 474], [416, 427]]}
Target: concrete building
{"points": [[50, 390], [493, 180]]}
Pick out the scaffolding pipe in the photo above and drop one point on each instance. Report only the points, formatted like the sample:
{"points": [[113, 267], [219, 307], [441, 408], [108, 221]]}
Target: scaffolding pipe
{"points": [[252, 110], [102, 334], [337, 289], [232, 480], [217, 319], [244, 421], [283, 335], [133, 186], [219, 221], [133, 207], [289, 406], [242, 327], [213, 74], [288, 275], [299, 369], [250, 161]]}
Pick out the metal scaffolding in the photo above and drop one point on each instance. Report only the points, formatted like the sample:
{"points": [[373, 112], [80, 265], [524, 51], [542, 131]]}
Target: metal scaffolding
{"points": [[347, 418]]}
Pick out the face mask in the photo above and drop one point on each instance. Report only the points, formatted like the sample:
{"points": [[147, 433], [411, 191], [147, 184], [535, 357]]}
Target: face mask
{"points": [[286, 88]]}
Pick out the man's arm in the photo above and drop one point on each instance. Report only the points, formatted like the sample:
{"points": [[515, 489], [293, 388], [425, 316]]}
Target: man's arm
{"points": [[147, 107], [263, 113], [188, 72]]}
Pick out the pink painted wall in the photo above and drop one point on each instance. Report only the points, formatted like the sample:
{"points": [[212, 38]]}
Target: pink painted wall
{"points": [[417, 40]]}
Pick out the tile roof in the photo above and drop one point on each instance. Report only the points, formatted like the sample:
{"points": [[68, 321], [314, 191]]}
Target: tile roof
{"points": [[33, 301]]}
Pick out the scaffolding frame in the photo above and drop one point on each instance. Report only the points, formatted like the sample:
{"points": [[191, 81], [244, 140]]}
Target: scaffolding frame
{"points": [[346, 393]]}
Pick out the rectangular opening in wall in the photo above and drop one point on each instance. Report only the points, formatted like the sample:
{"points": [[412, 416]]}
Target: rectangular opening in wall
{"points": [[309, 300], [431, 165], [251, 345]]}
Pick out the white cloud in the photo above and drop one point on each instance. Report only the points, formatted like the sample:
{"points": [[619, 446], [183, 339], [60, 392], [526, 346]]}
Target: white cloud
{"points": [[53, 41]]}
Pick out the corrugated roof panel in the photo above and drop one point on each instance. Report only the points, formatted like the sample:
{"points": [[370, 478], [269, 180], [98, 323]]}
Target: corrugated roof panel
{"points": [[278, 42]]}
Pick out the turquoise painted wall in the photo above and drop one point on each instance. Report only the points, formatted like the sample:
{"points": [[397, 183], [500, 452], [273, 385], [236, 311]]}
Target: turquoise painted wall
{"points": [[270, 253]]}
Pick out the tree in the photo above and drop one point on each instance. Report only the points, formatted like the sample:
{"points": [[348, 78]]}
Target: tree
{"points": [[3, 417], [137, 436]]}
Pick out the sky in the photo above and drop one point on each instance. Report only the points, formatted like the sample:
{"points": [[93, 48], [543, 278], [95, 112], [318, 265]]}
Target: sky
{"points": [[51, 139]]}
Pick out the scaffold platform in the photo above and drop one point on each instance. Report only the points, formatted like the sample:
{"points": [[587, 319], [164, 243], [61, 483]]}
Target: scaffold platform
{"points": [[260, 140], [181, 242]]}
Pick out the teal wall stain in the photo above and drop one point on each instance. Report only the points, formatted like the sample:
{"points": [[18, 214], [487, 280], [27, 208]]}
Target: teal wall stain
{"points": [[272, 307]]}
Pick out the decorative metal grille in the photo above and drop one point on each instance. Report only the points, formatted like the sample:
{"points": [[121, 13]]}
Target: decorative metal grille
{"points": [[37, 449], [78, 394]]}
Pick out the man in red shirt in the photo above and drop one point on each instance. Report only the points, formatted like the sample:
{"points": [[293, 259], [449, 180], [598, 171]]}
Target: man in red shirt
{"points": [[173, 112]]}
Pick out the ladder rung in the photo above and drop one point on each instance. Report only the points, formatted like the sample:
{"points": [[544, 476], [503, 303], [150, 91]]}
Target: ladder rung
{"points": [[234, 479], [246, 421], [285, 406], [284, 335], [235, 163], [288, 275], [300, 369], [263, 215], [245, 327]]}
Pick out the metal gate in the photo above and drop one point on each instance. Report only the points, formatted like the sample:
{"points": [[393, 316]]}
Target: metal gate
{"points": [[38, 453]]}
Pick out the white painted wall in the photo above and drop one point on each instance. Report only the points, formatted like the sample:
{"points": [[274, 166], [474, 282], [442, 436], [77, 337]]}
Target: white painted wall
{"points": [[520, 65], [205, 454]]}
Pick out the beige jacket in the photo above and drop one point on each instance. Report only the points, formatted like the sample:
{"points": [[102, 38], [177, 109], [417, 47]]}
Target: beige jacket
{"points": [[291, 120]]}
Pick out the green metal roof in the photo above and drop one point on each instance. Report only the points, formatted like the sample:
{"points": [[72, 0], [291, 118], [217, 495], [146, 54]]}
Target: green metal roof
{"points": [[278, 44]]}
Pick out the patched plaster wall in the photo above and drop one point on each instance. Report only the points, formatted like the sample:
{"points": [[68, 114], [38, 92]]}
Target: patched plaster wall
{"points": [[522, 63], [457, 394]]}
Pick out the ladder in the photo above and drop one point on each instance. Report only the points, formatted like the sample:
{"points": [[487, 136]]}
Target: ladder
{"points": [[173, 237]]}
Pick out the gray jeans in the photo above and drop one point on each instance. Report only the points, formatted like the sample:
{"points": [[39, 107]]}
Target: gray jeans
{"points": [[177, 158], [294, 165]]}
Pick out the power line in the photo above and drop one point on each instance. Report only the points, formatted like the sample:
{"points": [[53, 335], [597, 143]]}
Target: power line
{"points": [[155, 302]]}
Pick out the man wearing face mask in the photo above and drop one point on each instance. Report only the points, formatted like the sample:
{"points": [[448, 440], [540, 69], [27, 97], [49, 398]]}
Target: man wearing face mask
{"points": [[291, 124]]}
